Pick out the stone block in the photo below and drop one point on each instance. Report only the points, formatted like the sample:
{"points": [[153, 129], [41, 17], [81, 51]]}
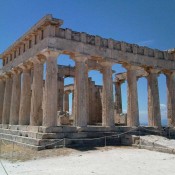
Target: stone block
{"points": [[83, 37], [110, 43], [68, 34], [33, 128], [97, 40]]}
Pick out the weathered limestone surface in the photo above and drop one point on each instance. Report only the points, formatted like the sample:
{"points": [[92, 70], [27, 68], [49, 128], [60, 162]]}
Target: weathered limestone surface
{"points": [[73, 102], [50, 93], [154, 117], [132, 109], [170, 81], [81, 91], [15, 99], [66, 101], [95, 103], [37, 95], [60, 87], [7, 100], [2, 89], [43, 42], [118, 101], [107, 96], [25, 101]]}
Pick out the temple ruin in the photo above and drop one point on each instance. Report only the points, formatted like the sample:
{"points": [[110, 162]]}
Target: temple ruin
{"points": [[31, 106]]}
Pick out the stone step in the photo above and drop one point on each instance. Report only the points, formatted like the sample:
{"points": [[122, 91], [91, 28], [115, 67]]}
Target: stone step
{"points": [[29, 141], [38, 135]]}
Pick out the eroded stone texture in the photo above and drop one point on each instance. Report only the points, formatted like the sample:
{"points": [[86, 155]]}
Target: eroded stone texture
{"points": [[7, 100], [66, 101], [170, 81], [132, 108], [81, 91], [107, 96], [2, 89], [73, 102], [118, 101], [154, 117], [37, 95], [95, 103], [90, 52], [15, 99], [60, 87], [25, 101], [50, 91]]}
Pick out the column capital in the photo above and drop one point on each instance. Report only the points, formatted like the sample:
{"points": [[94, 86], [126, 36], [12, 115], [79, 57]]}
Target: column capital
{"points": [[39, 59], [26, 66], [67, 92], [7, 75], [51, 53], [16, 71], [119, 81], [152, 71], [2, 78], [130, 67], [168, 72], [81, 57], [106, 64]]}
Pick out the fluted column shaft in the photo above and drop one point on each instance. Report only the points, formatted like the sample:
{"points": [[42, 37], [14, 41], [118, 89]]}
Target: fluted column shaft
{"points": [[73, 114], [25, 101], [81, 105], [170, 81], [154, 117], [118, 101], [66, 101], [50, 107], [132, 106], [60, 93], [2, 90], [36, 114], [107, 96], [7, 100], [15, 100]]}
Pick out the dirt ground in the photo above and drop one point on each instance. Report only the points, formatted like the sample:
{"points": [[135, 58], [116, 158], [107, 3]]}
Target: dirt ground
{"points": [[98, 161]]}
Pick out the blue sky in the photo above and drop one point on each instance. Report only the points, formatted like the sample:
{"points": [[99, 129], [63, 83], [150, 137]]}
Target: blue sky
{"points": [[145, 22]]}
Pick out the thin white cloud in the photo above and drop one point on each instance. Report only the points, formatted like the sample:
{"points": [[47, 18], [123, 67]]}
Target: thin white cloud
{"points": [[146, 43]]}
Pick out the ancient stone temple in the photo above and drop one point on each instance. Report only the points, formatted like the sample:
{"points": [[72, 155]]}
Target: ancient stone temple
{"points": [[31, 105]]}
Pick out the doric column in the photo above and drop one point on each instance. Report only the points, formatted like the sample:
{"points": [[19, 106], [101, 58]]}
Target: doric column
{"points": [[107, 96], [132, 106], [66, 101], [2, 89], [118, 100], [25, 101], [15, 100], [154, 117], [81, 105], [73, 114], [50, 92], [60, 86], [170, 82], [7, 99], [36, 114]]}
